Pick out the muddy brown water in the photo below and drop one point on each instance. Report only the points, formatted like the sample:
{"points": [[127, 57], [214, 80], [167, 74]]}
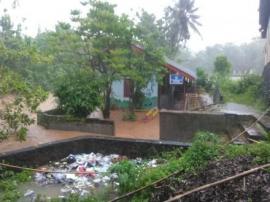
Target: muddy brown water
{"points": [[54, 190]]}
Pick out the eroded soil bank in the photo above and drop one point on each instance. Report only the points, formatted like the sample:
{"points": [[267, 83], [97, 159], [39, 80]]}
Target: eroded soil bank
{"points": [[252, 188]]}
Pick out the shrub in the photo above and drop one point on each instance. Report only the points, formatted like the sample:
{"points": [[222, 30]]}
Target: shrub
{"points": [[249, 83], [127, 172], [79, 93], [9, 182], [16, 121], [205, 147], [15, 116]]}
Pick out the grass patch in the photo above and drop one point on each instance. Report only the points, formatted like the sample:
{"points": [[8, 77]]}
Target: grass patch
{"points": [[9, 182], [260, 151], [205, 148]]}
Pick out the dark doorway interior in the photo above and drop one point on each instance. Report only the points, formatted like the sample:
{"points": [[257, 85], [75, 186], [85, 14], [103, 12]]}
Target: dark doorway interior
{"points": [[173, 96]]}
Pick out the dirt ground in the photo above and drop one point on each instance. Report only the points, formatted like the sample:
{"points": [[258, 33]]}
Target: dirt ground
{"points": [[39, 135]]}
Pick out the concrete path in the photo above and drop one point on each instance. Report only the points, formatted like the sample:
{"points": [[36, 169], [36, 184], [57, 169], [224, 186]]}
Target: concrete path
{"points": [[234, 108]]}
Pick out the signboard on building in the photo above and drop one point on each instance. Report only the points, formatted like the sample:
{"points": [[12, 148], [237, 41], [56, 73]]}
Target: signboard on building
{"points": [[176, 79]]}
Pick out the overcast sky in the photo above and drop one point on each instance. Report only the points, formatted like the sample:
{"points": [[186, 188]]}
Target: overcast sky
{"points": [[224, 21]]}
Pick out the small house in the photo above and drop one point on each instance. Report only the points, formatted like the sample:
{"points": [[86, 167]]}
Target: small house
{"points": [[170, 94]]}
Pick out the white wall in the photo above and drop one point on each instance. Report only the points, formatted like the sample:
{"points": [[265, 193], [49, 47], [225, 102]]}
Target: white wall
{"points": [[152, 89], [118, 90]]}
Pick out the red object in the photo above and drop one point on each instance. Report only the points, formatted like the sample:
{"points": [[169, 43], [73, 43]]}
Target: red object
{"points": [[81, 171]]}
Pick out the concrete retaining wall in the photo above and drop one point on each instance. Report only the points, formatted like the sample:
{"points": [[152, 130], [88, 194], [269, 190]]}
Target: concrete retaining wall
{"points": [[182, 126], [42, 154], [266, 83], [61, 122]]}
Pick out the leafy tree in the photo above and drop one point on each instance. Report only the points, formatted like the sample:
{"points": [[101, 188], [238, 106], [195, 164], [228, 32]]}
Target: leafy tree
{"points": [[16, 55], [108, 46], [63, 48], [79, 93], [148, 27], [203, 81], [221, 77], [105, 39], [177, 24], [222, 68], [17, 52], [143, 66]]}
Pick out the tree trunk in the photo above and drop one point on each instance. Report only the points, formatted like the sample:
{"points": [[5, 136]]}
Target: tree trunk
{"points": [[107, 107], [131, 104], [131, 99]]}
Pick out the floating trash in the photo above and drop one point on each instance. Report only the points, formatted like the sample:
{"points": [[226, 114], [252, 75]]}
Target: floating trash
{"points": [[79, 174], [82, 174], [29, 193]]}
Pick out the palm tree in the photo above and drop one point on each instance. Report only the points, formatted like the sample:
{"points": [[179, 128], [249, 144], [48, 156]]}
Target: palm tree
{"points": [[179, 20]]}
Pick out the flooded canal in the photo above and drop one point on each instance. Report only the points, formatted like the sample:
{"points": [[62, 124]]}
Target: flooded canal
{"points": [[83, 175]]}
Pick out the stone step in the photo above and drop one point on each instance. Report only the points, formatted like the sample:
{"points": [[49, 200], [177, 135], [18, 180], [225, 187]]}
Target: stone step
{"points": [[255, 133], [265, 122]]}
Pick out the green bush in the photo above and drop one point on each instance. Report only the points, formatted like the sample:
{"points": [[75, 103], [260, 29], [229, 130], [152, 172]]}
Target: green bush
{"points": [[79, 93], [127, 172], [250, 82], [246, 91], [205, 147]]}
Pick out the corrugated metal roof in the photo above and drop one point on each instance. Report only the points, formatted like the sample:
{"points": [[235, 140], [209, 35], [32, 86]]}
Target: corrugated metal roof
{"points": [[181, 68], [173, 64]]}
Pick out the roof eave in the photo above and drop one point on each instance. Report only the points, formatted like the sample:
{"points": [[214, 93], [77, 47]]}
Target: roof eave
{"points": [[176, 70]]}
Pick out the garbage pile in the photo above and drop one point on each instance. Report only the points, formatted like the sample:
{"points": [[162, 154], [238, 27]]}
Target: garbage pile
{"points": [[82, 174]]}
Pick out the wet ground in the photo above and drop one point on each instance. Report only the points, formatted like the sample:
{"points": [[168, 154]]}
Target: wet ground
{"points": [[38, 135], [139, 129]]}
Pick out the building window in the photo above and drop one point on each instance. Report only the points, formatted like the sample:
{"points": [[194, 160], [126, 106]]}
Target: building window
{"points": [[127, 88]]}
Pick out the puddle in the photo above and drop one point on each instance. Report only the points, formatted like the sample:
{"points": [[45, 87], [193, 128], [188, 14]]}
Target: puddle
{"points": [[52, 190]]}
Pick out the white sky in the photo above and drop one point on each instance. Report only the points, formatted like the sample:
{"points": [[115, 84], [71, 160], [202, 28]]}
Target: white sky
{"points": [[234, 21]]}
